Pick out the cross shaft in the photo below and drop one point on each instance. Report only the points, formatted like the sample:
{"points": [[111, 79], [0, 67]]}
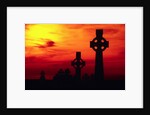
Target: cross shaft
{"points": [[99, 44], [78, 63]]}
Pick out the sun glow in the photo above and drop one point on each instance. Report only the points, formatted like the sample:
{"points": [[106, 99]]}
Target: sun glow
{"points": [[46, 44], [41, 33]]}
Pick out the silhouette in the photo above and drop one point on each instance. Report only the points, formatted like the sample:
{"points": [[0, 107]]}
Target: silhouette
{"points": [[92, 76], [86, 77], [68, 75], [99, 44], [42, 77], [59, 75], [63, 80], [78, 63]]}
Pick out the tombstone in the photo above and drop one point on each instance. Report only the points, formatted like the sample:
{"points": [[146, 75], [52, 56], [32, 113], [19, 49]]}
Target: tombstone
{"points": [[59, 75], [86, 77], [99, 44], [67, 74], [78, 64], [42, 77]]}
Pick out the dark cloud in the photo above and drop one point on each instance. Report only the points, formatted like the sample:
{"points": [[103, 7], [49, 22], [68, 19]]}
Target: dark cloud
{"points": [[41, 46], [47, 44], [50, 43]]}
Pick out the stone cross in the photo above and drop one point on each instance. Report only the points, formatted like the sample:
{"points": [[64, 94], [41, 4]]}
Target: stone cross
{"points": [[78, 63], [99, 44]]}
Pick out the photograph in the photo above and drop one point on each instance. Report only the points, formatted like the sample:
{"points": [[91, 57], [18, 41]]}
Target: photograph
{"points": [[74, 56]]}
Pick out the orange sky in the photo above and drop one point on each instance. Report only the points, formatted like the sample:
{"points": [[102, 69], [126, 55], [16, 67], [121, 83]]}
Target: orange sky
{"points": [[50, 47]]}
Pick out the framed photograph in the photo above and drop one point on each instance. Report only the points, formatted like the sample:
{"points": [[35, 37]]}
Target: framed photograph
{"points": [[75, 69], [74, 56]]}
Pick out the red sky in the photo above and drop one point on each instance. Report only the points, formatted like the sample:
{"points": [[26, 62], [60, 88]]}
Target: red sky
{"points": [[50, 47]]}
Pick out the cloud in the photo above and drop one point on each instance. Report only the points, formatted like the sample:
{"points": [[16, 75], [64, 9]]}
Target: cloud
{"points": [[49, 43], [74, 26], [41, 46], [106, 31], [39, 59], [110, 31], [27, 26], [55, 33], [30, 59]]}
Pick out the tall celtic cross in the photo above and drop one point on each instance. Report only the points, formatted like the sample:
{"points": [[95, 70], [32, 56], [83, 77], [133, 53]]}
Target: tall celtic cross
{"points": [[78, 63], [99, 44]]}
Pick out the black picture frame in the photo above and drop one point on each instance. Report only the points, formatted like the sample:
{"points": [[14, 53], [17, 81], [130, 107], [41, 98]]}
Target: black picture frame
{"points": [[95, 3]]}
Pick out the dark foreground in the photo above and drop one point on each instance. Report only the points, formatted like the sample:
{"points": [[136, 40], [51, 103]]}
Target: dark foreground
{"points": [[74, 85]]}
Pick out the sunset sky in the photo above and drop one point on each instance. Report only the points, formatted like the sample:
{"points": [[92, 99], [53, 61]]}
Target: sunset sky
{"points": [[50, 47]]}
